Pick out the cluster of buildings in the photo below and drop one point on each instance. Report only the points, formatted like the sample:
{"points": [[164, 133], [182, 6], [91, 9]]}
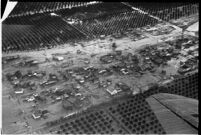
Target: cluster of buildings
{"points": [[45, 86], [159, 29]]}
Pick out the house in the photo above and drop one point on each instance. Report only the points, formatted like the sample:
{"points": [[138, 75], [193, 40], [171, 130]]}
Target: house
{"points": [[19, 91], [122, 87], [58, 58], [37, 114], [102, 37], [30, 99], [68, 105], [112, 92]]}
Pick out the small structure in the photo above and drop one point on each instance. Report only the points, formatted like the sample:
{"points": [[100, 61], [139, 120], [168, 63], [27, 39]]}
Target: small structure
{"points": [[118, 52], [53, 14], [58, 58], [122, 87], [33, 62], [113, 91], [78, 52], [37, 114], [19, 91], [114, 46], [67, 104], [102, 37], [30, 99]]}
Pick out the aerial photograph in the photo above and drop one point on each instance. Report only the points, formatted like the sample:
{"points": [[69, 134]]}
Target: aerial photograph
{"points": [[100, 68]]}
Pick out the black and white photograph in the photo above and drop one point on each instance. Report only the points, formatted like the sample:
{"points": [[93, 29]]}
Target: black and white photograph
{"points": [[100, 67]]}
